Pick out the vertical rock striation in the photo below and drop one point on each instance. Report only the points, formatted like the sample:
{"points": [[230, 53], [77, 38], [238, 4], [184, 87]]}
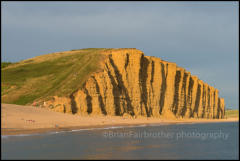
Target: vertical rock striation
{"points": [[137, 85]]}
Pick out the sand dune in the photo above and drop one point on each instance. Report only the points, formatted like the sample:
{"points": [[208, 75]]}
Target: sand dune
{"points": [[17, 119]]}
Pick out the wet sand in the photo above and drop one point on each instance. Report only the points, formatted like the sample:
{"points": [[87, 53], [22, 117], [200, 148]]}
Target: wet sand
{"points": [[16, 119]]}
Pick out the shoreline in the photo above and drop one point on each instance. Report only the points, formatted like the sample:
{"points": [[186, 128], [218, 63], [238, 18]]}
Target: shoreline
{"points": [[17, 120], [35, 131]]}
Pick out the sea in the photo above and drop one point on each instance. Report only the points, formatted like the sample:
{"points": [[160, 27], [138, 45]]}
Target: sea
{"points": [[154, 141]]}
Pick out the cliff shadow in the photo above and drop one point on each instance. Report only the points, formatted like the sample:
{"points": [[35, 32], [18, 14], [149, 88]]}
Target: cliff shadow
{"points": [[176, 92], [151, 82], [197, 101], [184, 109], [143, 80], [189, 96], [203, 102], [73, 104], [116, 93], [163, 87], [100, 99], [89, 101], [121, 87]]}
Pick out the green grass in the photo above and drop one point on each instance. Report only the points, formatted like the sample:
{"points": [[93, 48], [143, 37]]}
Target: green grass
{"points": [[5, 64], [34, 80], [231, 113], [24, 99]]}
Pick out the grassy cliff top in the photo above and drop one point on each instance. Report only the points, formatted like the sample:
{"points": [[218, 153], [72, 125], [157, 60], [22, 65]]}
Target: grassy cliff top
{"points": [[232, 113], [52, 74]]}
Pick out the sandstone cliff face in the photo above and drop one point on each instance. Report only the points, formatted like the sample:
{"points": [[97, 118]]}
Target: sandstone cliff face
{"points": [[137, 85]]}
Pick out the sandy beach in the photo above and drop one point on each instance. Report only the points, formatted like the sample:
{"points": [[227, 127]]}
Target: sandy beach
{"points": [[16, 119]]}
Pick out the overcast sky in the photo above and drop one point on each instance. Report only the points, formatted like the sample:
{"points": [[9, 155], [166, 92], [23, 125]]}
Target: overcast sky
{"points": [[202, 37]]}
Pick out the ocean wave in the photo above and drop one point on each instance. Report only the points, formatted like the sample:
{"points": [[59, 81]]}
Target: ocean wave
{"points": [[78, 130], [18, 135]]}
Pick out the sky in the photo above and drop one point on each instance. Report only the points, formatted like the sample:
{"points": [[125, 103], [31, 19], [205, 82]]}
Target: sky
{"points": [[201, 37]]}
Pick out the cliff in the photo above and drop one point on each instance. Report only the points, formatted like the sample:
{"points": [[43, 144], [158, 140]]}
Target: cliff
{"points": [[129, 83]]}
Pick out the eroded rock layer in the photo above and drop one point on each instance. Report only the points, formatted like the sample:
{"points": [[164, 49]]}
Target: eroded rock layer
{"points": [[137, 85]]}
